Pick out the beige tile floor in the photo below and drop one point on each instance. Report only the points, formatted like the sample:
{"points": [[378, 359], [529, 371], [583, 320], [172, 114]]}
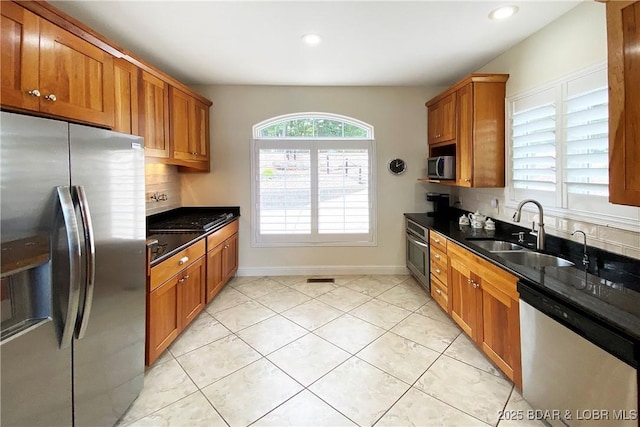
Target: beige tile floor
{"points": [[367, 350]]}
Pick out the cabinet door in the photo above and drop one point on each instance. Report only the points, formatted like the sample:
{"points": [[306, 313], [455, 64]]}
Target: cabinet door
{"points": [[200, 130], [125, 78], [192, 287], [76, 77], [433, 117], [180, 123], [501, 330], [154, 115], [464, 154], [20, 63], [623, 33], [465, 298], [442, 120], [215, 278], [447, 121], [163, 324], [230, 257]]}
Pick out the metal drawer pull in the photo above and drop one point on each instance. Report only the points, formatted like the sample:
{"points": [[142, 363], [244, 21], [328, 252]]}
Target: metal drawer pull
{"points": [[436, 240], [34, 92], [51, 98], [469, 281], [438, 271], [186, 277], [183, 260], [438, 291], [436, 256]]}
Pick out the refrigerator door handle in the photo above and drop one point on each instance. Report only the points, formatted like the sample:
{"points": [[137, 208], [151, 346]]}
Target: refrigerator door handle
{"points": [[90, 258], [75, 255]]}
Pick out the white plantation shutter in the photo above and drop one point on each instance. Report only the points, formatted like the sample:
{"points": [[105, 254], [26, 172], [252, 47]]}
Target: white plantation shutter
{"points": [[533, 133], [313, 186], [285, 191], [343, 191], [587, 135]]}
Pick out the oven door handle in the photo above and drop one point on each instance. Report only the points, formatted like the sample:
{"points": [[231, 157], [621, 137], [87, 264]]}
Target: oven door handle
{"points": [[412, 240]]}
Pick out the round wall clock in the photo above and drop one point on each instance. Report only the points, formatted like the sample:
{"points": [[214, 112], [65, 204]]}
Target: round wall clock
{"points": [[397, 166]]}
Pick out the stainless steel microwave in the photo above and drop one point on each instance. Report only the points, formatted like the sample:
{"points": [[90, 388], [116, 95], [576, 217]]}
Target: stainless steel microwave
{"points": [[441, 167]]}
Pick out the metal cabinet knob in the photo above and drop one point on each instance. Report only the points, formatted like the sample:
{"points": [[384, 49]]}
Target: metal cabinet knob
{"points": [[438, 271], [436, 240], [469, 281], [467, 180], [438, 291], [436, 256], [51, 97], [34, 92], [181, 280], [186, 277], [183, 260]]}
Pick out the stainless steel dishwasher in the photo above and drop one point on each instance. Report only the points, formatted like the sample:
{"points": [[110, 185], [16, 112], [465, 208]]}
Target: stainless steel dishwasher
{"points": [[568, 378]]}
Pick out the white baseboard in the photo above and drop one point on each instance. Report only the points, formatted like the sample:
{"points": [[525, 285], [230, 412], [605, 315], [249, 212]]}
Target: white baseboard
{"points": [[323, 270]]}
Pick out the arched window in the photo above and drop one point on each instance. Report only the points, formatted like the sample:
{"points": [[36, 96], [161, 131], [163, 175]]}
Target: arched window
{"points": [[313, 181]]}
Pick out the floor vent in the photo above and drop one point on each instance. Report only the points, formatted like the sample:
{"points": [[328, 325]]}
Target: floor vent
{"points": [[321, 280]]}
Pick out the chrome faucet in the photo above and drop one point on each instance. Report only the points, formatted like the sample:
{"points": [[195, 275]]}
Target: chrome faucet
{"points": [[585, 257], [539, 233]]}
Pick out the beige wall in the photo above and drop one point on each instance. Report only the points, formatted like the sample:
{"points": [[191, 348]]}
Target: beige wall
{"points": [[574, 41], [399, 118]]}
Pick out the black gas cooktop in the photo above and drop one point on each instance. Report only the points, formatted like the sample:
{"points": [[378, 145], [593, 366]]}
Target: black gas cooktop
{"points": [[189, 223]]}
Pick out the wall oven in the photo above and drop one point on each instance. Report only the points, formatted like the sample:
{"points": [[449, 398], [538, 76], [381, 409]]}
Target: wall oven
{"points": [[418, 252]]}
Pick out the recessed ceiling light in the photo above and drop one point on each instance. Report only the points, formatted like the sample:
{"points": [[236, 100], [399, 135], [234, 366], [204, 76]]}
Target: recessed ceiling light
{"points": [[312, 39], [503, 12]]}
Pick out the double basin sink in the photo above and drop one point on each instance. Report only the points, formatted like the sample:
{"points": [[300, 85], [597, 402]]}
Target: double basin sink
{"points": [[520, 255]]}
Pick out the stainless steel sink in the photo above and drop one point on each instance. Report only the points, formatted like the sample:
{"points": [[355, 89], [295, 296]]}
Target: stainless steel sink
{"points": [[534, 259], [497, 245]]}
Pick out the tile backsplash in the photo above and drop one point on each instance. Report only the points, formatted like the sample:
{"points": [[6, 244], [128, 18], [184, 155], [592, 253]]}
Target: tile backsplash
{"points": [[163, 182], [606, 237]]}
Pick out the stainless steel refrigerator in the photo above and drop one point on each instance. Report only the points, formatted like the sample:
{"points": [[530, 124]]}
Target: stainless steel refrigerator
{"points": [[73, 272]]}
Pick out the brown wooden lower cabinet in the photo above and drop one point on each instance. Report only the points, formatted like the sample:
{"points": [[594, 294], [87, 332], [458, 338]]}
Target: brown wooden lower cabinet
{"points": [[163, 321], [485, 304], [465, 297], [222, 258], [173, 305], [182, 285], [215, 279], [193, 291]]}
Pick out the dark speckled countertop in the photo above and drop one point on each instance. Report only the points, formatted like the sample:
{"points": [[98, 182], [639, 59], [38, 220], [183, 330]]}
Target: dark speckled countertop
{"points": [[612, 296]]}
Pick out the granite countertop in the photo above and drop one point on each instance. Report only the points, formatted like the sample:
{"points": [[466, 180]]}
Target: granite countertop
{"points": [[169, 244], [612, 296]]}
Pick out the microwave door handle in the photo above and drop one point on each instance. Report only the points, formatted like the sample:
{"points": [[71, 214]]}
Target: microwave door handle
{"points": [[75, 255], [90, 258], [440, 167]]}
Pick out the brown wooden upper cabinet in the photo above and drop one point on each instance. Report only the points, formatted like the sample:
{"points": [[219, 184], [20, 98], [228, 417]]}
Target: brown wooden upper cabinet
{"points": [[623, 34], [442, 120], [467, 121], [125, 76], [49, 70], [189, 126], [154, 115]]}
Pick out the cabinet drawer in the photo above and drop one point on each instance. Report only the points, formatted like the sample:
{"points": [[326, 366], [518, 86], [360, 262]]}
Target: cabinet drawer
{"points": [[440, 270], [170, 267], [438, 241], [221, 235], [439, 293]]}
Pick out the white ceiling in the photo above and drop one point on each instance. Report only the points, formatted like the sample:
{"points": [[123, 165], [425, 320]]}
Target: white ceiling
{"points": [[379, 43]]}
